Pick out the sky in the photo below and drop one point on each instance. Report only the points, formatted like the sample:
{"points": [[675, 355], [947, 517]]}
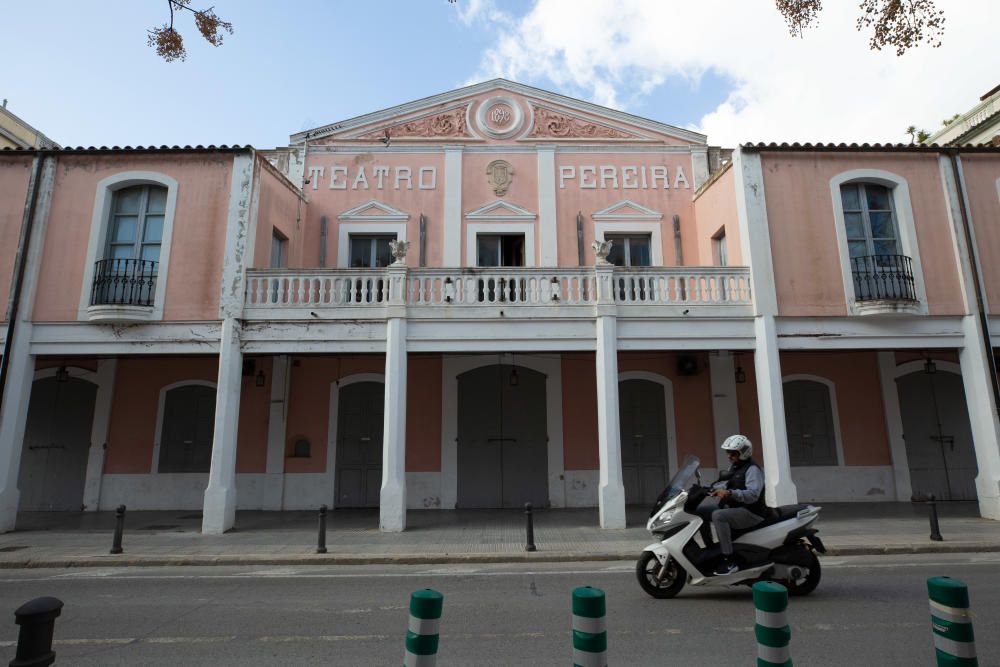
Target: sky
{"points": [[81, 72]]}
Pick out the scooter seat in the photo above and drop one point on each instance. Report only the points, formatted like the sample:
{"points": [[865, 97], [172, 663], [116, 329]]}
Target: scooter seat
{"points": [[774, 515]]}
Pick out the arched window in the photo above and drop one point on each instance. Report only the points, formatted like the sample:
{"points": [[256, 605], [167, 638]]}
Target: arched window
{"points": [[877, 242], [812, 437], [127, 272], [187, 420], [128, 253]]}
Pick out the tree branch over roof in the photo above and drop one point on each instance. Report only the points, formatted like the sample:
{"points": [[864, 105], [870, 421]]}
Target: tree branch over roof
{"points": [[167, 40]]}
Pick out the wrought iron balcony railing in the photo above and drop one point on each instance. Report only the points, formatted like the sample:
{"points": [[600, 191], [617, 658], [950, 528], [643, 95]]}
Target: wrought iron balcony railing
{"points": [[883, 278], [124, 282]]}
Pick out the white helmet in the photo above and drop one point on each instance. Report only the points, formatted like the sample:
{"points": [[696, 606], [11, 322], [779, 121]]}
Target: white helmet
{"points": [[739, 444]]}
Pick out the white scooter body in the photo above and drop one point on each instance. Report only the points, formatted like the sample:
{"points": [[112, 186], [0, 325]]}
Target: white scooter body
{"points": [[768, 537]]}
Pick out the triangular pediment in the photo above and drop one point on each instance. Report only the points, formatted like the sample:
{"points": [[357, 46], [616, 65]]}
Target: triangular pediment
{"points": [[375, 211], [500, 210], [627, 209], [498, 110]]}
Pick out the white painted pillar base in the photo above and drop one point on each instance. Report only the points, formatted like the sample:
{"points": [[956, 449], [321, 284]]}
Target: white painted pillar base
{"points": [[392, 495], [13, 420], [219, 513], [771, 403], [725, 408], [99, 433], [611, 489], [982, 417]]}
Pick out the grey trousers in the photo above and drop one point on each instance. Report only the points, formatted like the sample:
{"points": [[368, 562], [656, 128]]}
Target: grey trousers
{"points": [[725, 520]]}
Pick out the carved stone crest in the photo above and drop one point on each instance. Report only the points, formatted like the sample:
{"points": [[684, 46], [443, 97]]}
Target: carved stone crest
{"points": [[602, 249], [500, 175]]}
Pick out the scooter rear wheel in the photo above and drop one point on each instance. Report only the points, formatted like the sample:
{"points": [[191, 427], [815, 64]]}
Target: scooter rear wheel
{"points": [[807, 584], [647, 569]]}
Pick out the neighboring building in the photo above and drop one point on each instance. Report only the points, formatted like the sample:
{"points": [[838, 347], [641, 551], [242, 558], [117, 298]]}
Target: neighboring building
{"points": [[405, 310], [978, 125], [15, 133]]}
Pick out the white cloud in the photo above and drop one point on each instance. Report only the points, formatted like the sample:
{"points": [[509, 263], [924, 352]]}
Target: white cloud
{"points": [[827, 86]]}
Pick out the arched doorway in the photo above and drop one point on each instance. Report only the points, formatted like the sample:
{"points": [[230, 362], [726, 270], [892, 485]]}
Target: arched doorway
{"points": [[56, 444], [937, 433], [644, 439], [502, 438], [358, 473]]}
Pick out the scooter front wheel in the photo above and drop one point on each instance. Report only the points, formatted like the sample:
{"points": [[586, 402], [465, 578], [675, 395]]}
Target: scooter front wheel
{"points": [[647, 571]]}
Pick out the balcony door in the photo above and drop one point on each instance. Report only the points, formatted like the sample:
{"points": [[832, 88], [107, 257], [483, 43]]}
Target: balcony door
{"points": [[879, 269], [500, 250], [127, 274]]}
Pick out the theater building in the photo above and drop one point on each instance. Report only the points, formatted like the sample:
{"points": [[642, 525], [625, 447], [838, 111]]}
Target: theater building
{"points": [[493, 296]]}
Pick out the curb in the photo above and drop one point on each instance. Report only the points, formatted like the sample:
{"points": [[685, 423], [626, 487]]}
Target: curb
{"points": [[439, 559]]}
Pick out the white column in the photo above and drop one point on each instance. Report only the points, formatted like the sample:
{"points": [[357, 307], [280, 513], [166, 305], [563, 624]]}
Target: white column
{"points": [[219, 513], [452, 252], [392, 495], [771, 400], [548, 251], [982, 417], [611, 488], [894, 425], [976, 371], [755, 239], [99, 433], [725, 409], [13, 418], [21, 366]]}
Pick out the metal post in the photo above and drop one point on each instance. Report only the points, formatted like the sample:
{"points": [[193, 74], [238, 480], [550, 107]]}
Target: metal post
{"points": [[590, 633], [770, 600], [951, 620], [116, 545], [530, 546], [321, 546], [425, 627], [932, 510], [37, 619]]}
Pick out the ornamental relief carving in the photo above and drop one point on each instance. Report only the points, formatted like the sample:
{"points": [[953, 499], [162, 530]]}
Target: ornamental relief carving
{"points": [[448, 124], [551, 124]]}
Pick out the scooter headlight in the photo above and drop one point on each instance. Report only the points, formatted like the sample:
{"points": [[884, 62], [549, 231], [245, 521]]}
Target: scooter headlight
{"points": [[660, 522]]}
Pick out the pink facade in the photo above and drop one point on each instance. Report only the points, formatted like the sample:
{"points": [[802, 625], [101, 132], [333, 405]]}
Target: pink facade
{"points": [[731, 275]]}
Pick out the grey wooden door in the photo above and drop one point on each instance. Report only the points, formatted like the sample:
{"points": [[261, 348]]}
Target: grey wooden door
{"points": [[188, 429], [809, 424], [938, 437], [643, 429], [56, 444], [359, 444], [502, 438]]}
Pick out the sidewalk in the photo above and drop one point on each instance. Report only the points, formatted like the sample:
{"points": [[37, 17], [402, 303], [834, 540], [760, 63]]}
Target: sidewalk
{"points": [[440, 536]]}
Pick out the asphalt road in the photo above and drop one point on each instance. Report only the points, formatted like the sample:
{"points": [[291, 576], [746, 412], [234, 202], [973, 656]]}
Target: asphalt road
{"points": [[867, 610]]}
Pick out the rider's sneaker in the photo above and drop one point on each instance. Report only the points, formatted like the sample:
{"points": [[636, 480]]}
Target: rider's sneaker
{"points": [[726, 567]]}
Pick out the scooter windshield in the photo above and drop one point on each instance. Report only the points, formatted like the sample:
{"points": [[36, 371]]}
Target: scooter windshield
{"points": [[682, 480]]}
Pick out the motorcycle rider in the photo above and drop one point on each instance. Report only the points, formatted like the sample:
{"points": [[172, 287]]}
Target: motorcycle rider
{"points": [[737, 500]]}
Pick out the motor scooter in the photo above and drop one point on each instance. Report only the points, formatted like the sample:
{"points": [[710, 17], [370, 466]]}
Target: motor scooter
{"points": [[782, 548]]}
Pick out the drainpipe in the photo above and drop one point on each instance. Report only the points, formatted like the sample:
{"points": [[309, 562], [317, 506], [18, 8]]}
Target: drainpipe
{"points": [[678, 250], [20, 262], [952, 154]]}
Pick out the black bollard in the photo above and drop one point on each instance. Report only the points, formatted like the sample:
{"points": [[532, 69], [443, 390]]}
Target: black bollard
{"points": [[116, 545], [530, 546], [932, 510], [321, 546], [37, 619]]}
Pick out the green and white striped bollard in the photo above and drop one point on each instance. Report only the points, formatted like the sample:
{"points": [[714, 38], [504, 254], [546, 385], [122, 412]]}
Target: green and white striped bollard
{"points": [[951, 621], [425, 624], [590, 635], [772, 631]]}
